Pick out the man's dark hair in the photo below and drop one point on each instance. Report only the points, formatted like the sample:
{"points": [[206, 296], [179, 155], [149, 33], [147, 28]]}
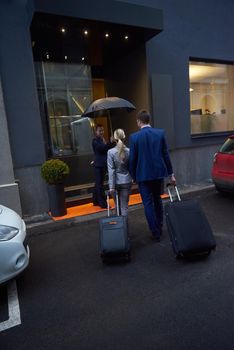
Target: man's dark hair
{"points": [[143, 116], [98, 126]]}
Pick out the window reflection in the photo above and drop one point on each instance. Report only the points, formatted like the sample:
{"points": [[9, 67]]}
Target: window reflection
{"points": [[66, 92], [211, 97]]}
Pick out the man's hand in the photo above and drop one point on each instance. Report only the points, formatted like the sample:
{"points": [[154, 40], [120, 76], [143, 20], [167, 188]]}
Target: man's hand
{"points": [[172, 180], [112, 140]]}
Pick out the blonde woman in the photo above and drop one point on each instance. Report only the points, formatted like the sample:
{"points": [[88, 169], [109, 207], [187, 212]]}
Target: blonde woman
{"points": [[119, 177]]}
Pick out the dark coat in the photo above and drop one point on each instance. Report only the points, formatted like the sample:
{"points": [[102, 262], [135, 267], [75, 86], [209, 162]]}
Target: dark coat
{"points": [[149, 157], [100, 151]]}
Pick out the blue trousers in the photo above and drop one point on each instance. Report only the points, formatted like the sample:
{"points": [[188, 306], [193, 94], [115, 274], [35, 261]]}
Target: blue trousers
{"points": [[150, 193]]}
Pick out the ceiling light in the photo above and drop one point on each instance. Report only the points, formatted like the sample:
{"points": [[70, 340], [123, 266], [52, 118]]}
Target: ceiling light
{"points": [[86, 32], [107, 35], [65, 57], [126, 37], [191, 89], [204, 73], [47, 56], [82, 58], [63, 30]]}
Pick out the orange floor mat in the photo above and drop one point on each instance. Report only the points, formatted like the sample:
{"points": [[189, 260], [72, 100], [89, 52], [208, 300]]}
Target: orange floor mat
{"points": [[86, 209]]}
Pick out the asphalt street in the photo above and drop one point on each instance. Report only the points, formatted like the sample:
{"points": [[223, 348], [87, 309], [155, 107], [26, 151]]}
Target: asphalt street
{"points": [[69, 300]]}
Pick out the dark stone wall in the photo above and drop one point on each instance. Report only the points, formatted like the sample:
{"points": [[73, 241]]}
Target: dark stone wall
{"points": [[19, 86], [198, 29], [104, 10]]}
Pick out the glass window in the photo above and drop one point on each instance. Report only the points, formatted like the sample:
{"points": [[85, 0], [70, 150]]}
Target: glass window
{"points": [[228, 146], [211, 97], [65, 91]]}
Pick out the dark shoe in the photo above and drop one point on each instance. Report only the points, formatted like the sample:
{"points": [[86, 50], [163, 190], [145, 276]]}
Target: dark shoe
{"points": [[104, 206]]}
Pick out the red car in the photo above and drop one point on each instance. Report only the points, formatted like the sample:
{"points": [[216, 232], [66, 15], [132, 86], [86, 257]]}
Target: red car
{"points": [[223, 166]]}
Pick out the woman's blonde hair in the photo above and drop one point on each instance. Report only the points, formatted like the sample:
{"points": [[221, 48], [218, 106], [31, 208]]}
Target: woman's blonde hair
{"points": [[119, 136]]}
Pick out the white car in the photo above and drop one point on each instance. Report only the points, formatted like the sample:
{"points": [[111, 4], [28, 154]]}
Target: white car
{"points": [[14, 251]]}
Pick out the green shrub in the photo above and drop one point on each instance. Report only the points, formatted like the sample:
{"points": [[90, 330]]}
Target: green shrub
{"points": [[53, 171]]}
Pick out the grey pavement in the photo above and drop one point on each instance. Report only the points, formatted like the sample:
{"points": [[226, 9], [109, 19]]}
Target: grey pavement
{"points": [[70, 300], [44, 223]]}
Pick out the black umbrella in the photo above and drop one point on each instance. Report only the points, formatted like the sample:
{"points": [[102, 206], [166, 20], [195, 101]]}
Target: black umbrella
{"points": [[108, 103]]}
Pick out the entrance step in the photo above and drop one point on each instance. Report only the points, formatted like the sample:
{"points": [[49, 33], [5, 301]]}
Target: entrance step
{"points": [[82, 194]]}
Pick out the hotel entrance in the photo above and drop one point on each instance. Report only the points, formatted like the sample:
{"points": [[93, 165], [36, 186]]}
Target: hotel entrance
{"points": [[76, 62]]}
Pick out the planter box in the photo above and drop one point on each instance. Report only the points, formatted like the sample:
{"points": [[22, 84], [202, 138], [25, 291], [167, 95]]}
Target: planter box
{"points": [[57, 200]]}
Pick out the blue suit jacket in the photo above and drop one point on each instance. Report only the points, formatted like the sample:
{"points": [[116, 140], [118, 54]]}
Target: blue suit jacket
{"points": [[149, 157], [100, 151]]}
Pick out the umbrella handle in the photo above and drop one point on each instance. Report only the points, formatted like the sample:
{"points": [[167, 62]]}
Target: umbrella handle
{"points": [[109, 119]]}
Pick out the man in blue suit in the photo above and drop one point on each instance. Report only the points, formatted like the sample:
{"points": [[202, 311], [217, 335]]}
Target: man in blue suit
{"points": [[149, 164], [100, 148]]}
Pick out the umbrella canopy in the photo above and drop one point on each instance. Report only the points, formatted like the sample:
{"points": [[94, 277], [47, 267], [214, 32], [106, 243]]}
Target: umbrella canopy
{"points": [[108, 103]]}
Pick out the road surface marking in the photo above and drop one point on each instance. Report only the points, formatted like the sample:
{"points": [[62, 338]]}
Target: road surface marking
{"points": [[13, 308]]}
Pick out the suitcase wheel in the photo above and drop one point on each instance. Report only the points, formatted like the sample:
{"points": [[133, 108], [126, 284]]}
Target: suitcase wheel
{"points": [[207, 253], [204, 254], [179, 256], [128, 256]]}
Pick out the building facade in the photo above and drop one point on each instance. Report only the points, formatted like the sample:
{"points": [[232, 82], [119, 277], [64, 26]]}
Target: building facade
{"points": [[173, 58]]}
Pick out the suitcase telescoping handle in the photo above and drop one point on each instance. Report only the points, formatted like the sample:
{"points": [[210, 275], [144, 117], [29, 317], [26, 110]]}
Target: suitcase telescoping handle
{"points": [[169, 192], [116, 201]]}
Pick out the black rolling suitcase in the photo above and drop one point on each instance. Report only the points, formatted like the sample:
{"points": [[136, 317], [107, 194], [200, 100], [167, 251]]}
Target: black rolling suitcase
{"points": [[114, 240], [188, 228]]}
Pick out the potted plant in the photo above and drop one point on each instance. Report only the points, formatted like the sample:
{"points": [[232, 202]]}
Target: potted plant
{"points": [[54, 171]]}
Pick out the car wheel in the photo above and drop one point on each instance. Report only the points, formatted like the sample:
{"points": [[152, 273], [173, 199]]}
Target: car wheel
{"points": [[220, 190]]}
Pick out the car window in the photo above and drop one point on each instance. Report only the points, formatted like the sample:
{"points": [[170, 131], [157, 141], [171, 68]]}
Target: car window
{"points": [[228, 146]]}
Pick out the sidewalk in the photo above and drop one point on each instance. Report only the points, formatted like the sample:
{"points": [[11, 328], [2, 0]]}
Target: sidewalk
{"points": [[44, 223]]}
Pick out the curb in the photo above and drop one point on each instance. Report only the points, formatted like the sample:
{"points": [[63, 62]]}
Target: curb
{"points": [[42, 224]]}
